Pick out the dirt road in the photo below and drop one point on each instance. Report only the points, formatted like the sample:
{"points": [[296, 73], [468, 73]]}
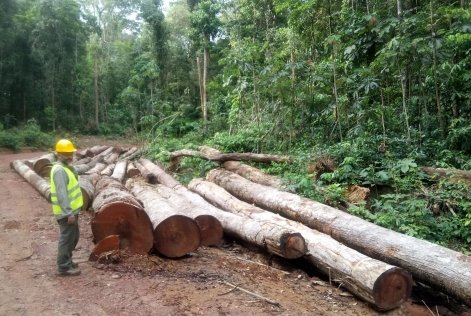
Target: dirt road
{"points": [[148, 285]]}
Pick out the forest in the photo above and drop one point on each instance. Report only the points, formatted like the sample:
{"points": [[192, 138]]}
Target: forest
{"points": [[363, 93]]}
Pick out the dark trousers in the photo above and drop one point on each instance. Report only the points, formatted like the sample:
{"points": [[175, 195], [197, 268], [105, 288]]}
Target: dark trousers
{"points": [[68, 239]]}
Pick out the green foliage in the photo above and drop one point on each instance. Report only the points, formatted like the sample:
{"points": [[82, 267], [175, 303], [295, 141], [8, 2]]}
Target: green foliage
{"points": [[28, 135]]}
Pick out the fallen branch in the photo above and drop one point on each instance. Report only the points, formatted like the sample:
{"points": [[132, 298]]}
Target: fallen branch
{"points": [[251, 293]]}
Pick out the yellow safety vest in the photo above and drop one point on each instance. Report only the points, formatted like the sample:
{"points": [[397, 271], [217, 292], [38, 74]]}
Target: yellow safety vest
{"points": [[73, 192]]}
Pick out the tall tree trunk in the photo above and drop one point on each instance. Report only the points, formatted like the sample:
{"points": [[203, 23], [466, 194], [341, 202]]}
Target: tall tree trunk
{"points": [[437, 95], [96, 90], [429, 263], [205, 80], [53, 99], [200, 82]]}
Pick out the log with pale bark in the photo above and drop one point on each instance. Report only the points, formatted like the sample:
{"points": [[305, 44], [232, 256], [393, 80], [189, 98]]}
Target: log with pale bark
{"points": [[174, 156], [129, 152], [376, 282], [453, 174], [98, 149], [159, 174], [137, 153], [113, 156], [210, 227], [81, 169], [174, 234], [99, 167], [108, 171], [42, 166], [83, 154], [82, 161], [117, 212], [88, 191], [442, 268], [41, 185], [145, 173], [119, 170], [131, 170], [278, 240]]}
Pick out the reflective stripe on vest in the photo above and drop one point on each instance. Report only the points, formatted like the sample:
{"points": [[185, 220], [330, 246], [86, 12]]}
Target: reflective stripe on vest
{"points": [[74, 193]]}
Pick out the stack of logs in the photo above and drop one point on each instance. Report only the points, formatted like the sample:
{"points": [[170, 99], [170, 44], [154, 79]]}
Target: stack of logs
{"points": [[152, 210]]}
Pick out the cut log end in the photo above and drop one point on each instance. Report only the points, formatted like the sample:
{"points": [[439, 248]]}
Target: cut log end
{"points": [[293, 245], [392, 288], [176, 236], [129, 222], [210, 229], [110, 243]]}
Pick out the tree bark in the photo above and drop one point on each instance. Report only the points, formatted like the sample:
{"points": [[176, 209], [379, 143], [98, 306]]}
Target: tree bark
{"points": [[117, 212], [108, 171], [145, 173], [233, 156], [376, 282], [275, 239], [82, 161], [119, 170], [174, 234], [98, 149], [88, 192], [160, 175], [454, 174], [129, 152], [131, 170], [43, 165], [112, 157], [446, 270], [81, 169], [41, 185], [84, 153], [210, 227], [99, 167]]}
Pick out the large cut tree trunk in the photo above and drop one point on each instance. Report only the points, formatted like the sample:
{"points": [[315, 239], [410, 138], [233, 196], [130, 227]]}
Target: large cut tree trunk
{"points": [[108, 171], [117, 212], [440, 267], [98, 149], [210, 228], [452, 174], [129, 152], [99, 167], [145, 173], [160, 175], [275, 239], [41, 185], [43, 165], [226, 157], [376, 282], [131, 170], [175, 235]]}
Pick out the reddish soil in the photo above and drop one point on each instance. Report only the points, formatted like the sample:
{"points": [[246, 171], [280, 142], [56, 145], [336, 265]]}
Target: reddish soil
{"points": [[198, 284]]}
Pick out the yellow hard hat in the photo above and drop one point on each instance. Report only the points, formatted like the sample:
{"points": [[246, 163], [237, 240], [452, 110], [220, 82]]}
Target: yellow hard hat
{"points": [[65, 146]]}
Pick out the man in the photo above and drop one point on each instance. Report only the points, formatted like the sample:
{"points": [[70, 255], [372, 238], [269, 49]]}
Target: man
{"points": [[66, 199]]}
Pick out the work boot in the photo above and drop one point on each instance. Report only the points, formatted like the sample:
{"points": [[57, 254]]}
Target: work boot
{"points": [[74, 264], [70, 272]]}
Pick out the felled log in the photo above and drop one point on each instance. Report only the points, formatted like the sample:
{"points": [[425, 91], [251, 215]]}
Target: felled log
{"points": [[226, 157], [452, 174], [83, 154], [160, 175], [442, 268], [98, 149], [210, 227], [106, 152], [81, 169], [129, 152], [119, 170], [145, 173], [131, 170], [99, 167], [174, 234], [88, 191], [376, 282], [113, 156], [82, 161], [117, 212], [41, 185], [105, 246], [137, 153], [43, 165], [108, 171]]}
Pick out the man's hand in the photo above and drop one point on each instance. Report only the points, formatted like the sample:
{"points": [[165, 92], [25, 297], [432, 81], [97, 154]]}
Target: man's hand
{"points": [[71, 219]]}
